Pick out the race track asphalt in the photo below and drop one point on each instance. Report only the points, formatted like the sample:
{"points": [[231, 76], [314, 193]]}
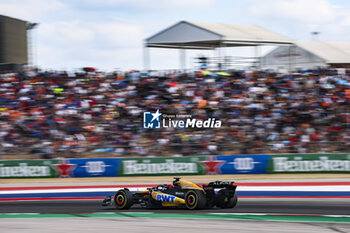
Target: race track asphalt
{"points": [[321, 206]]}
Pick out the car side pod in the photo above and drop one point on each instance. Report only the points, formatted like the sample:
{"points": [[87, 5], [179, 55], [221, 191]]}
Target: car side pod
{"points": [[167, 199]]}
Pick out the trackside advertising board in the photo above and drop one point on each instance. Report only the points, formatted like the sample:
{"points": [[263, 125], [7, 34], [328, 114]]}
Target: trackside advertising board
{"points": [[243, 164], [310, 163], [59, 168], [158, 166], [94, 167], [28, 168]]}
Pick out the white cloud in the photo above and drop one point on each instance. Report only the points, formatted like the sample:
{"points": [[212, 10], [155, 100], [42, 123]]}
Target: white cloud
{"points": [[32, 10], [80, 42], [310, 11], [142, 5], [117, 34], [297, 18], [79, 33]]}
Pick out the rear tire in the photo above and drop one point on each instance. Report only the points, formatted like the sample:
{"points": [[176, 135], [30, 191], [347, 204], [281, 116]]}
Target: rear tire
{"points": [[195, 199], [123, 199], [229, 202]]}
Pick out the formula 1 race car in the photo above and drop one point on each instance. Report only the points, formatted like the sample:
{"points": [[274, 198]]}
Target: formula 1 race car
{"points": [[180, 194]]}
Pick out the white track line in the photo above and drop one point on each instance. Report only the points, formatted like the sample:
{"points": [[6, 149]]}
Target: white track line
{"points": [[323, 188]]}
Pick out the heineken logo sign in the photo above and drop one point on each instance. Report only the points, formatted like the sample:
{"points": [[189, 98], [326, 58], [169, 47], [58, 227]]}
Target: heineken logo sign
{"points": [[23, 170], [161, 166], [133, 167], [35, 168], [305, 164]]}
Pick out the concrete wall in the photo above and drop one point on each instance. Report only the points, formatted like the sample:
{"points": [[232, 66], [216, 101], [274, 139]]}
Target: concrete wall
{"points": [[13, 41]]}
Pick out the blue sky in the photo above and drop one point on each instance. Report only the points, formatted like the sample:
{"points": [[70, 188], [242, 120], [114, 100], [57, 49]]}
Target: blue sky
{"points": [[108, 34]]}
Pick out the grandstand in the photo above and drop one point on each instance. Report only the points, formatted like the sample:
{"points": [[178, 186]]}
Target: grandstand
{"points": [[50, 113]]}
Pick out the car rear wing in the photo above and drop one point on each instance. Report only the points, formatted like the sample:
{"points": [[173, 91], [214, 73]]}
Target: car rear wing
{"points": [[220, 184]]}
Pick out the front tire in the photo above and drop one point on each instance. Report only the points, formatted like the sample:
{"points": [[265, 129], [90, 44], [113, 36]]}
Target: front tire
{"points": [[123, 199], [195, 199]]}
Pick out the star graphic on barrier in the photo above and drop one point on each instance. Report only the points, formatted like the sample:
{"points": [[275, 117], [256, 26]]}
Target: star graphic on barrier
{"points": [[64, 168], [155, 115], [212, 166]]}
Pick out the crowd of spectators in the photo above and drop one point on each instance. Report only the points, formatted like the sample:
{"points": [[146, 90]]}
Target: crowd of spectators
{"points": [[89, 111]]}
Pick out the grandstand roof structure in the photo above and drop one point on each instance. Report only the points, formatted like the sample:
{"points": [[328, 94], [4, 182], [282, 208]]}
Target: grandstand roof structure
{"points": [[199, 35], [331, 52]]}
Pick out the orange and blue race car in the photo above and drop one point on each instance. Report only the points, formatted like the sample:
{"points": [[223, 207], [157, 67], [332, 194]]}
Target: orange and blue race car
{"points": [[180, 194]]}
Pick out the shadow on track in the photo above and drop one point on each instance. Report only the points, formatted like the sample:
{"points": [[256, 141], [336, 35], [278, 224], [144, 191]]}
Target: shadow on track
{"points": [[320, 206]]}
